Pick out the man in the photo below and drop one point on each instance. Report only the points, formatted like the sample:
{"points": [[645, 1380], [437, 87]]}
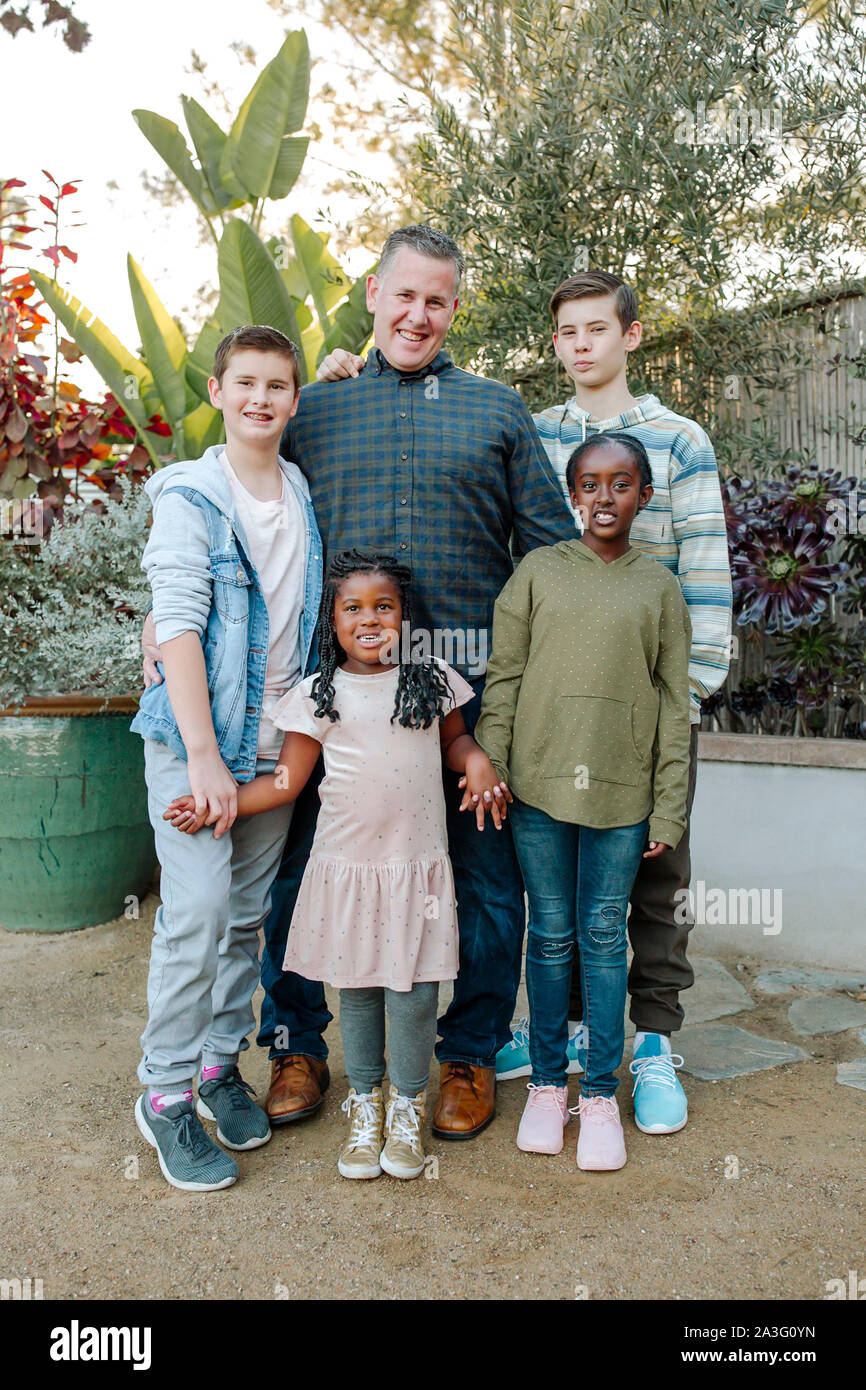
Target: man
{"points": [[444, 469], [596, 326]]}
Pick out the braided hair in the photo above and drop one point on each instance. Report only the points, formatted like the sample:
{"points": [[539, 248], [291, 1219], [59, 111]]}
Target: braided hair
{"points": [[421, 685]]}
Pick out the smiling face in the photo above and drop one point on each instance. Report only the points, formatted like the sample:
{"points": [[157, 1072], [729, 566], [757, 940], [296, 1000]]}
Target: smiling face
{"points": [[608, 494], [258, 396], [367, 618], [590, 341], [412, 307]]}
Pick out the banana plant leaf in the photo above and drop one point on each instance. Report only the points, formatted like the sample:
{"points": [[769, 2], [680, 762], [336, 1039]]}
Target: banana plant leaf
{"points": [[352, 324], [171, 147], [252, 290], [163, 347], [327, 281], [209, 141], [201, 428], [126, 377], [259, 149], [199, 363]]}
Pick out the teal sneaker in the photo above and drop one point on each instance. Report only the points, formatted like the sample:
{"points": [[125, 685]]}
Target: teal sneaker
{"points": [[512, 1060], [241, 1124], [578, 1042], [660, 1104], [188, 1158]]}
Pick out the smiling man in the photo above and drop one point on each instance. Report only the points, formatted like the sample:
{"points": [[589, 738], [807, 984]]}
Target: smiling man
{"points": [[412, 456]]}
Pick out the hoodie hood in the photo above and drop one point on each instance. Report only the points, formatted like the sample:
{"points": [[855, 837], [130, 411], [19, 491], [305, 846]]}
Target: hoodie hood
{"points": [[582, 553], [647, 408], [206, 476]]}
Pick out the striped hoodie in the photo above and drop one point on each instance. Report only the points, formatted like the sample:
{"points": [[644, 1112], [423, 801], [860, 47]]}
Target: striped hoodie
{"points": [[683, 526]]}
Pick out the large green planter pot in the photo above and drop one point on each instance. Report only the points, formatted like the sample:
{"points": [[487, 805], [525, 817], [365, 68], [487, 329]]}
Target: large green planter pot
{"points": [[75, 840]]}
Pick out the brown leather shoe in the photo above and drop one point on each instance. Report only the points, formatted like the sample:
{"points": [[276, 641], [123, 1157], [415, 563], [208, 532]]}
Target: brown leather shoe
{"points": [[298, 1086], [466, 1100]]}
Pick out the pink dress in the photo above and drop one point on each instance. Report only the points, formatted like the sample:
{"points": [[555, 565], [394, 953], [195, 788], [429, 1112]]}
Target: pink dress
{"points": [[376, 904]]}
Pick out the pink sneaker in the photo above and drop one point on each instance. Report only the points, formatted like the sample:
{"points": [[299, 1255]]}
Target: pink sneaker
{"points": [[601, 1142], [545, 1116]]}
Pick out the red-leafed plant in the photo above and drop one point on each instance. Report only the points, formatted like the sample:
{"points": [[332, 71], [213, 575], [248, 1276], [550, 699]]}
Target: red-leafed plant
{"points": [[50, 435]]}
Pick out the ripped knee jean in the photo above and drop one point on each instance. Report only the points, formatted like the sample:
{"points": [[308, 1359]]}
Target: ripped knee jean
{"points": [[578, 880]]}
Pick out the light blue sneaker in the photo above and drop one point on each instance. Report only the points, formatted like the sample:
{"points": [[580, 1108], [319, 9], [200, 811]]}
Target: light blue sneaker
{"points": [[512, 1060], [660, 1104]]}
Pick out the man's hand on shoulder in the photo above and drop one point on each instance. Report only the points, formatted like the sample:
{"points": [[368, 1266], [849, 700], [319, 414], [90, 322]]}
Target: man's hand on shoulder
{"points": [[339, 365]]}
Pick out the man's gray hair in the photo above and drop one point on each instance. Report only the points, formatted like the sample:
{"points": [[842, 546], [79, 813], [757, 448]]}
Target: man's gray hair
{"points": [[427, 242]]}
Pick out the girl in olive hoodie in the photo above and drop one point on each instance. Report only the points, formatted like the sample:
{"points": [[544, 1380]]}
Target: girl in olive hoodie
{"points": [[585, 716]]}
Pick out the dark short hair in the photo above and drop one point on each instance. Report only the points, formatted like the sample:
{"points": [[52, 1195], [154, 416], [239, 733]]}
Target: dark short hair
{"points": [[427, 242], [589, 284], [261, 337], [632, 446]]}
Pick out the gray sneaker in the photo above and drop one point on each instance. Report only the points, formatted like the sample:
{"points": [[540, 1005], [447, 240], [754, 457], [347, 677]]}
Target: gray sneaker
{"points": [[241, 1124], [188, 1158]]}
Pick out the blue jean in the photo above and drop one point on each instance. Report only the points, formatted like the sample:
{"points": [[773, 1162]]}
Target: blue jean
{"points": [[490, 914], [578, 882]]}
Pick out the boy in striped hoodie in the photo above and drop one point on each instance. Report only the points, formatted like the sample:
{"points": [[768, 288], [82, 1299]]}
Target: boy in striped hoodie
{"points": [[595, 317], [596, 326]]}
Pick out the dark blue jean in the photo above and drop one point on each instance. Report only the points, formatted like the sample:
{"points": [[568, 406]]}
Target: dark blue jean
{"points": [[578, 882], [490, 914]]}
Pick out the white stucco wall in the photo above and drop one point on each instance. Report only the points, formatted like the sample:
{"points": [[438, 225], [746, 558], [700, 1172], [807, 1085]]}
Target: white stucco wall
{"points": [[797, 831]]}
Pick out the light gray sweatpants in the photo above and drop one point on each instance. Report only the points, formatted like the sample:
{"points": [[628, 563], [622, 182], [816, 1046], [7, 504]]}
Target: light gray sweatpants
{"points": [[204, 958]]}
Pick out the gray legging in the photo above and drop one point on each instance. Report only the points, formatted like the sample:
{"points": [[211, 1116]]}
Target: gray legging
{"points": [[411, 1035]]}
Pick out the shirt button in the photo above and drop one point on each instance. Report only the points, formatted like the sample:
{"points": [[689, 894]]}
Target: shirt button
{"points": [[404, 545], [403, 414], [403, 501], [404, 455]]}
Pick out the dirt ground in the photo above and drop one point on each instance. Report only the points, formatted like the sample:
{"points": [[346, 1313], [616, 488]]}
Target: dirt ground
{"points": [[85, 1208]]}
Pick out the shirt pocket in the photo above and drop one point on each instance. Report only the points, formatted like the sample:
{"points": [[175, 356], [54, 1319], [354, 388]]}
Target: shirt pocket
{"points": [[592, 736], [231, 587]]}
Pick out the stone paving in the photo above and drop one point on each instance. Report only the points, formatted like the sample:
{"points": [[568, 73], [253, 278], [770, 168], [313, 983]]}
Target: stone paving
{"points": [[714, 1051]]}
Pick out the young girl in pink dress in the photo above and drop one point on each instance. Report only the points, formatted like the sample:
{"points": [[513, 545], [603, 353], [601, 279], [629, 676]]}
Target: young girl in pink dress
{"points": [[376, 914]]}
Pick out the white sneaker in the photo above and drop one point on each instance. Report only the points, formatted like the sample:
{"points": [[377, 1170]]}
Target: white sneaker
{"points": [[403, 1153], [359, 1157]]}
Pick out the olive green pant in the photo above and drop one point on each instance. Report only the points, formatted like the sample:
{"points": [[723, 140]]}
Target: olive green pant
{"points": [[658, 928]]}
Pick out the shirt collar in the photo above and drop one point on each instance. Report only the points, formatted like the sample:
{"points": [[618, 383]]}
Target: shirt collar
{"points": [[379, 364]]}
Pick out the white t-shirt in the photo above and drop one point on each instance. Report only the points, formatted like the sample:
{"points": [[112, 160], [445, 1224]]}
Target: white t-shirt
{"points": [[275, 533]]}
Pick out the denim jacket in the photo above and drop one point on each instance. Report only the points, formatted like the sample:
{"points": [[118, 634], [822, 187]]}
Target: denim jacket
{"points": [[203, 580]]}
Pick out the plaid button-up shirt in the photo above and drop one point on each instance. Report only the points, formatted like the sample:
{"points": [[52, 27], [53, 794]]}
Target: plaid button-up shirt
{"points": [[440, 468]]}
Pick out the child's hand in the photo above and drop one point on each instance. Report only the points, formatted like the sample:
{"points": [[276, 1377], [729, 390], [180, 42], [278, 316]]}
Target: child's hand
{"points": [[483, 790], [655, 849], [181, 812]]}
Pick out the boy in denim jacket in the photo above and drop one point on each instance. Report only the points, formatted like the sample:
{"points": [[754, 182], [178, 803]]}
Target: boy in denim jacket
{"points": [[234, 560]]}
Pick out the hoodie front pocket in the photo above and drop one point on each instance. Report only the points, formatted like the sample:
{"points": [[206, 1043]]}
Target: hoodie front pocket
{"points": [[591, 738]]}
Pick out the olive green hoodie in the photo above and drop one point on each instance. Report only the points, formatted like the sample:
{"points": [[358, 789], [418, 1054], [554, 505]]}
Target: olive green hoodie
{"points": [[585, 711]]}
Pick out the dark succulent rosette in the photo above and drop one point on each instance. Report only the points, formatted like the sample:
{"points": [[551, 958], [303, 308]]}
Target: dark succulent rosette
{"points": [[781, 581], [750, 698], [808, 494]]}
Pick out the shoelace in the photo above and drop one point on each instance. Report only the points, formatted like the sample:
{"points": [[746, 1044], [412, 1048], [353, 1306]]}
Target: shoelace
{"points": [[661, 1069], [520, 1036], [463, 1070], [191, 1136], [543, 1097], [364, 1120], [238, 1089], [404, 1123], [596, 1108]]}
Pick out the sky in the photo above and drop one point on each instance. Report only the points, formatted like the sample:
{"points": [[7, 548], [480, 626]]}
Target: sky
{"points": [[70, 113]]}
